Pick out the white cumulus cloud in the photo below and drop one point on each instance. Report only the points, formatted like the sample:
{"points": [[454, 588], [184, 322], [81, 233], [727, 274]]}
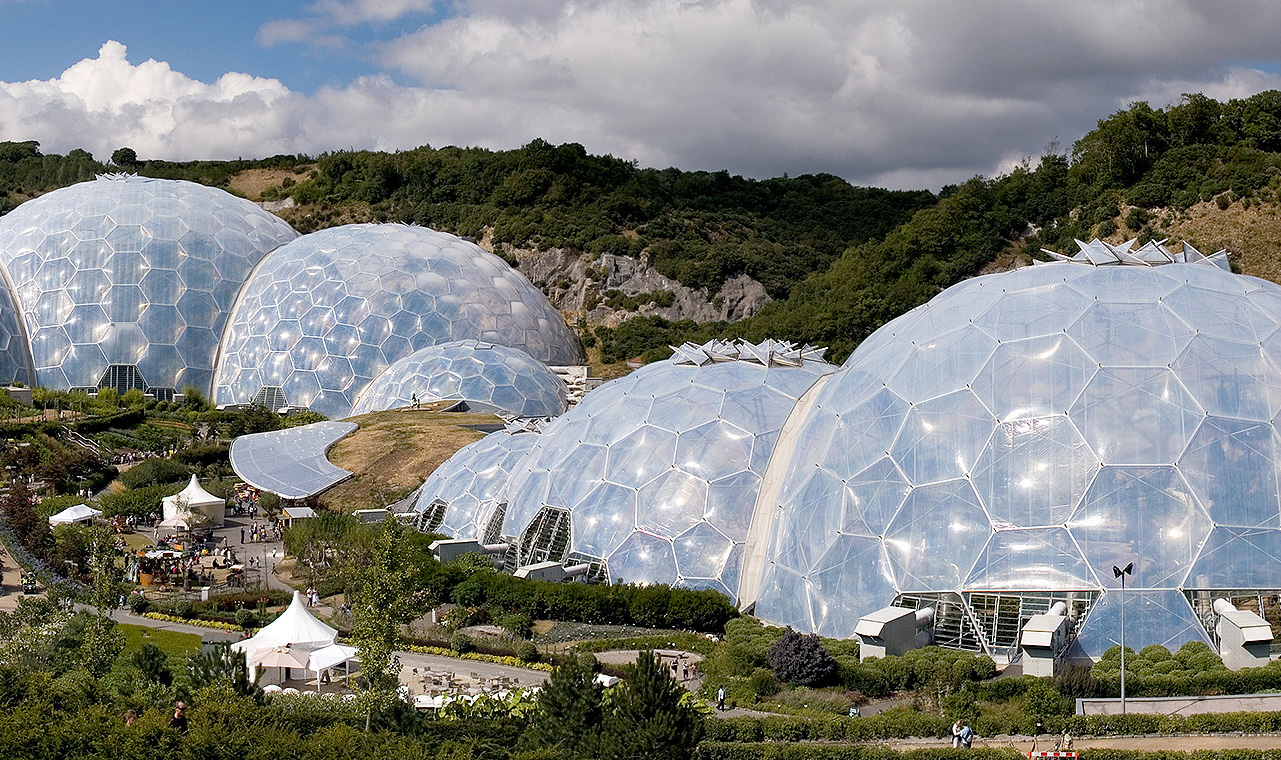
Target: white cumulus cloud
{"points": [[896, 94]]}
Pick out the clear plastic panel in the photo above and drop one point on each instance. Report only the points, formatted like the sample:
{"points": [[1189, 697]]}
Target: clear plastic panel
{"points": [[641, 456], [1231, 465], [816, 516], [714, 450], [942, 364], [1033, 472], [1031, 560], [1124, 284], [1033, 312], [1212, 314], [702, 552], [936, 536], [851, 579], [1131, 334], [731, 502], [1151, 617], [1230, 379], [1136, 415], [942, 437], [671, 503], [643, 558], [872, 498], [864, 434], [784, 599], [602, 519], [1145, 515], [1034, 377], [1238, 558]]}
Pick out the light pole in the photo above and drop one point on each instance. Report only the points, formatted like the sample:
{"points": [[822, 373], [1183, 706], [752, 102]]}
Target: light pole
{"points": [[1121, 572]]}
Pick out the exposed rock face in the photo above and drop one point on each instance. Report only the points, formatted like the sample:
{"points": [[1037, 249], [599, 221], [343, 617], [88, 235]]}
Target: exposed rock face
{"points": [[578, 283]]}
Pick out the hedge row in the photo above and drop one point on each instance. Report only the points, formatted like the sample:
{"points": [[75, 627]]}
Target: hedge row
{"points": [[901, 724], [654, 606], [714, 750]]}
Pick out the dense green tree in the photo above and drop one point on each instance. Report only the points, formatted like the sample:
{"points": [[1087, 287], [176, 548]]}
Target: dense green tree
{"points": [[569, 712], [385, 596], [126, 157], [647, 718]]}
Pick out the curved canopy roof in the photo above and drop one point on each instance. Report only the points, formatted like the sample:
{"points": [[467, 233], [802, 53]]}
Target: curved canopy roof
{"points": [[291, 462]]}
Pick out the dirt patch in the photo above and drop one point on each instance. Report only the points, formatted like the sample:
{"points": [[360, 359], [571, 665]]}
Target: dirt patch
{"points": [[252, 182], [393, 452], [1252, 234]]}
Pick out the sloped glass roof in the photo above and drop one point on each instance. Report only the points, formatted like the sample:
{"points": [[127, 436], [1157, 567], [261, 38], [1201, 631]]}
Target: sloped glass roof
{"points": [[291, 462]]}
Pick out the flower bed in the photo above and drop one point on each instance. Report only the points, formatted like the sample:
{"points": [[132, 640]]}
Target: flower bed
{"points": [[192, 621], [514, 662]]}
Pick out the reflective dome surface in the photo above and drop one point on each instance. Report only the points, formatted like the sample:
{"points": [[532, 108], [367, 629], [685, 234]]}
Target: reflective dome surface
{"points": [[132, 271], [488, 376], [655, 474], [460, 497], [1024, 432], [323, 316]]}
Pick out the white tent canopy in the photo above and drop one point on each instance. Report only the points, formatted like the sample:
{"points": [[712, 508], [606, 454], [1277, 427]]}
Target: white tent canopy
{"points": [[192, 501], [295, 627], [76, 514], [330, 656]]}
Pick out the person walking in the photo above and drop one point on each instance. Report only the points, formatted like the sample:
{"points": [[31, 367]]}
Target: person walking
{"points": [[956, 735], [720, 699], [967, 736]]}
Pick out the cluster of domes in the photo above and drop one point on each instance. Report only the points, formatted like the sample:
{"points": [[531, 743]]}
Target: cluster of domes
{"points": [[990, 453], [130, 282]]}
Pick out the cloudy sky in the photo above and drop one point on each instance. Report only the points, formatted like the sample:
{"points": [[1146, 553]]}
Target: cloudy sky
{"points": [[895, 94]]}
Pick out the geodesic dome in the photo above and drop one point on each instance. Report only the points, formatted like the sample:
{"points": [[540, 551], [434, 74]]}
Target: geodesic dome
{"points": [[323, 316], [1005, 445], [466, 497], [487, 376], [126, 281], [653, 476]]}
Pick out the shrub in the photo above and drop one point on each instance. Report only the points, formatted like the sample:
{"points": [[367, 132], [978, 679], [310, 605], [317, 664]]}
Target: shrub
{"points": [[461, 643], [517, 624], [245, 618], [527, 652], [801, 660], [763, 683], [138, 603], [184, 609]]}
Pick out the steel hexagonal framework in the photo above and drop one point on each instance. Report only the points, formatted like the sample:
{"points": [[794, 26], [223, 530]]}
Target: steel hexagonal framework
{"points": [[659, 470], [1023, 431], [321, 317], [127, 271], [491, 377]]}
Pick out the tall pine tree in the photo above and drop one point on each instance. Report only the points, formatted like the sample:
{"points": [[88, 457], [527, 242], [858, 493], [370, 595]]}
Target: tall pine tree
{"points": [[647, 720], [569, 713]]}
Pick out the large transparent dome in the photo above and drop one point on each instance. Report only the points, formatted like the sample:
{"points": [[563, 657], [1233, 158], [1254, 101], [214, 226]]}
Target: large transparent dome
{"points": [[467, 495], [490, 377], [654, 476], [132, 273], [323, 316], [1008, 443]]}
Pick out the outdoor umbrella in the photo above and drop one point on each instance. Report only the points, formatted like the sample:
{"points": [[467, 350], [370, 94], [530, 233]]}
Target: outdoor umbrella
{"points": [[279, 657]]}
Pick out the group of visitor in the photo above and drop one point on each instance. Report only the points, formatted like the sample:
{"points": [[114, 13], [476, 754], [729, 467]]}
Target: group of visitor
{"points": [[259, 533]]}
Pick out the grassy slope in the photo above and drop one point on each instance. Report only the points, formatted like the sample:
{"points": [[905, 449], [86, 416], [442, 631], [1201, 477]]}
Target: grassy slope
{"points": [[176, 645], [393, 452]]}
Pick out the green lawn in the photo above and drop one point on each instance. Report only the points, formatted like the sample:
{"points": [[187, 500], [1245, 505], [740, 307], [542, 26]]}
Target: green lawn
{"points": [[176, 645]]}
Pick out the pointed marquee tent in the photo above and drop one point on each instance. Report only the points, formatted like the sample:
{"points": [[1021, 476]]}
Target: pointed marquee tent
{"points": [[194, 505], [300, 633]]}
